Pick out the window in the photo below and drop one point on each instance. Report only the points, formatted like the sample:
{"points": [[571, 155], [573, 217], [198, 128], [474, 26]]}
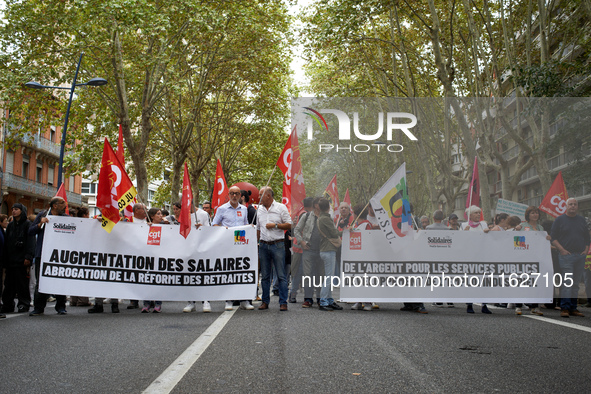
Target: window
{"points": [[88, 188], [25, 173], [50, 171], [52, 134], [10, 162], [39, 174]]}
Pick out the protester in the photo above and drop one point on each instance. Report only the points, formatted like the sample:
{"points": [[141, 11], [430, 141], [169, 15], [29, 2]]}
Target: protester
{"points": [[438, 217], [57, 207], [20, 252], [233, 214], [139, 217], [474, 223], [571, 238], [329, 235], [308, 237], [273, 218], [297, 267], [155, 215], [453, 222]]}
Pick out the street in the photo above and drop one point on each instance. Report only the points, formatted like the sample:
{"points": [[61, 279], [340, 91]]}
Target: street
{"points": [[302, 350]]}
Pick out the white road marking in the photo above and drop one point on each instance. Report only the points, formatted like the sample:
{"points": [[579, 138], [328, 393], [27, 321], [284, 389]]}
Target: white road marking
{"points": [[559, 322], [175, 372]]}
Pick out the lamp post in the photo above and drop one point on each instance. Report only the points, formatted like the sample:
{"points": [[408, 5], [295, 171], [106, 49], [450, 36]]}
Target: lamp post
{"points": [[92, 82]]}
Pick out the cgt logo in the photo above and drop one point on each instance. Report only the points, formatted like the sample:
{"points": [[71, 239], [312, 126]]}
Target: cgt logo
{"points": [[154, 235], [240, 237], [392, 123], [519, 243], [355, 240]]}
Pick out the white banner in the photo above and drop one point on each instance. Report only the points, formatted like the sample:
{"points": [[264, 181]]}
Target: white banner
{"points": [[136, 261], [511, 208], [448, 266]]}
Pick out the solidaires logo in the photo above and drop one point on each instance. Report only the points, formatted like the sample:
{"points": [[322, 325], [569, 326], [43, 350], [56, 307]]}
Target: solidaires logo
{"points": [[439, 242], [64, 228]]}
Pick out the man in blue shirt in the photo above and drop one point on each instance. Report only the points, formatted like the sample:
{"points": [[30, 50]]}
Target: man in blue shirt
{"points": [[570, 236], [233, 214]]}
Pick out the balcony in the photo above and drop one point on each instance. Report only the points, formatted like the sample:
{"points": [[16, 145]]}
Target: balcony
{"points": [[38, 142], [36, 189]]}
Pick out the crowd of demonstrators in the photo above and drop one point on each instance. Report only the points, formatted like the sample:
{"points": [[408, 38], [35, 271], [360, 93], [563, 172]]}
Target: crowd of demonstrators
{"points": [[315, 244]]}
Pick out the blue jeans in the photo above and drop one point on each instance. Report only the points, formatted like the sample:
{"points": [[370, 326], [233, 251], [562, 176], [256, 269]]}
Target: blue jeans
{"points": [[329, 259], [570, 264], [273, 256]]}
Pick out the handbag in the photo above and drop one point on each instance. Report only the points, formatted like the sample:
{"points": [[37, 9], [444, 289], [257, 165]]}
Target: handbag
{"points": [[336, 242]]}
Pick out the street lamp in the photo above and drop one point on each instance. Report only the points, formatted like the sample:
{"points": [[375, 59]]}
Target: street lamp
{"points": [[92, 82]]}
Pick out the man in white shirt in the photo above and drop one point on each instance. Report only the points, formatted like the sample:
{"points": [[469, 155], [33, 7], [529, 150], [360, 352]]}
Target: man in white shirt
{"points": [[272, 220]]}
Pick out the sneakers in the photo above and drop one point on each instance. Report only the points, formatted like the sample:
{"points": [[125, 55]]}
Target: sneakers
{"points": [[367, 307], [518, 311], [36, 312], [336, 306], [375, 306], [536, 311], [510, 305], [564, 313], [469, 309], [96, 309], [485, 310], [246, 305], [206, 307], [307, 304], [575, 312], [326, 308], [357, 306], [229, 306], [157, 309], [422, 310], [146, 309], [189, 308], [62, 312]]}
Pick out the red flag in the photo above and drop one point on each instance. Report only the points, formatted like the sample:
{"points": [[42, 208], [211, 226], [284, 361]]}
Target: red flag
{"points": [[286, 199], [220, 190], [115, 190], [186, 202], [474, 191], [61, 192], [554, 203], [128, 212], [290, 164], [332, 194], [347, 199]]}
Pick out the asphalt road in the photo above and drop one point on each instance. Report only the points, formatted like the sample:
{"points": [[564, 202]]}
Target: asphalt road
{"points": [[302, 350]]}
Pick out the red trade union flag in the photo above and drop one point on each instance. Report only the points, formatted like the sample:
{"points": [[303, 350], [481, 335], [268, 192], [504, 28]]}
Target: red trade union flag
{"points": [[186, 202], [115, 190], [128, 212], [297, 189], [332, 194], [474, 191], [61, 192], [347, 199], [286, 198], [220, 190], [285, 159], [554, 203]]}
